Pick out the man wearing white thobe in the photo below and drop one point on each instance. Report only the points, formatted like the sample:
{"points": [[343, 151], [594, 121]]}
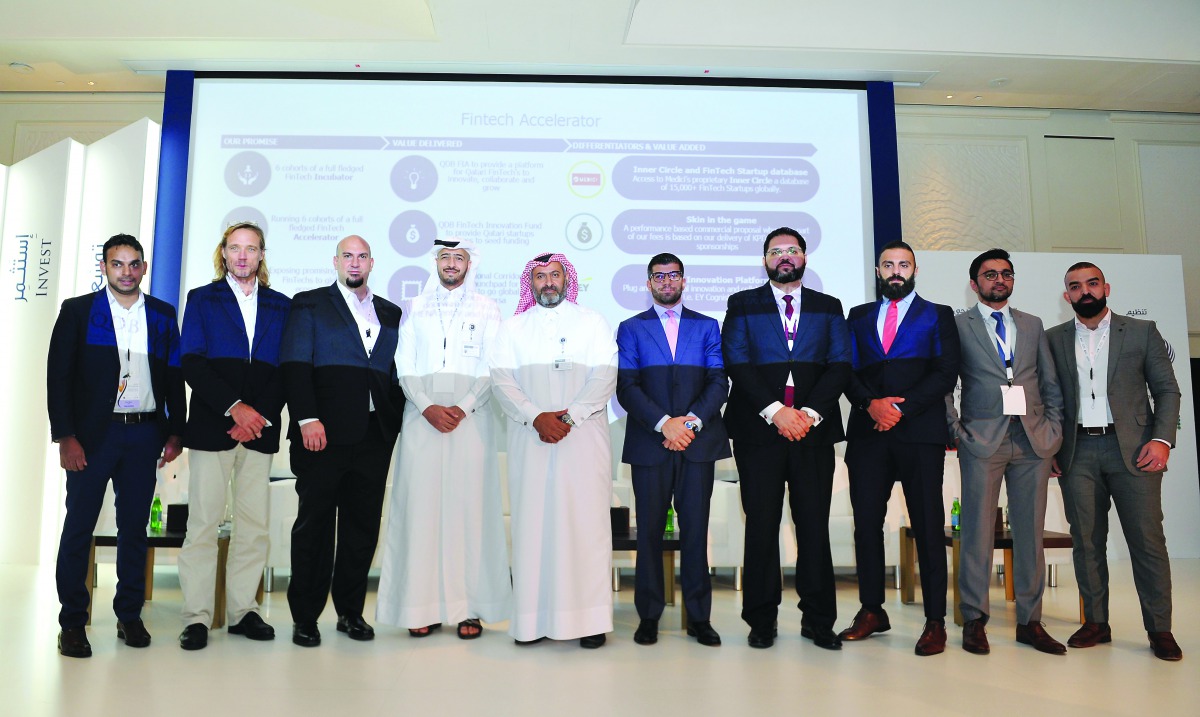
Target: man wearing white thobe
{"points": [[554, 369], [444, 558]]}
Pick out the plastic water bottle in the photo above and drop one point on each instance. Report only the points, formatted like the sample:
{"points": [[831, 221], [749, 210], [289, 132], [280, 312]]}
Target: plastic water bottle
{"points": [[156, 524], [670, 519], [955, 513]]}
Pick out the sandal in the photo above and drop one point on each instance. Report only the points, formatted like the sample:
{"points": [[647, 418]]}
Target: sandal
{"points": [[424, 631], [469, 623]]}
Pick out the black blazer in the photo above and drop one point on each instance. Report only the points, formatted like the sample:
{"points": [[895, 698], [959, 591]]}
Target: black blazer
{"points": [[83, 369], [327, 374], [758, 362], [222, 368], [921, 368]]}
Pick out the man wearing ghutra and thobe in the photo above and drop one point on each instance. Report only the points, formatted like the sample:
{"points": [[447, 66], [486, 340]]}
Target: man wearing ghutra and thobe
{"points": [[554, 369], [444, 557]]}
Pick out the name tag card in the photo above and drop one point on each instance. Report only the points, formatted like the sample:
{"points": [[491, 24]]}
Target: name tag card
{"points": [[1014, 399]]}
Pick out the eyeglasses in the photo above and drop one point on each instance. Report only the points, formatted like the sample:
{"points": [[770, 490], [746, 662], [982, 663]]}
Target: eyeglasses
{"points": [[778, 252], [1007, 275], [661, 276]]}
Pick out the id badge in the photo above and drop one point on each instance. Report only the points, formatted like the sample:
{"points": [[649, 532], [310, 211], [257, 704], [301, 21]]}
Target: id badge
{"points": [[130, 395], [472, 350], [563, 364], [1014, 400]]}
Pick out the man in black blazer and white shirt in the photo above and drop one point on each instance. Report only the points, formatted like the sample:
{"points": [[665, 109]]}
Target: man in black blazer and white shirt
{"points": [[339, 371]]}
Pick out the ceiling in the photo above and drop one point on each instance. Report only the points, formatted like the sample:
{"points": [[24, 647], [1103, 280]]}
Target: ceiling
{"points": [[1072, 54]]}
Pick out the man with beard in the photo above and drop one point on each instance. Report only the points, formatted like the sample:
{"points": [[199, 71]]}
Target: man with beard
{"points": [[1009, 430], [339, 373], [554, 367], [1114, 451], [906, 358], [671, 380], [787, 353], [232, 330], [444, 559]]}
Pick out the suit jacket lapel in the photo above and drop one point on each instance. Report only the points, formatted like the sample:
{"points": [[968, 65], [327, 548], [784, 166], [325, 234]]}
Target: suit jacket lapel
{"points": [[264, 318], [1116, 338], [686, 335], [985, 338], [229, 302], [657, 333], [339, 305]]}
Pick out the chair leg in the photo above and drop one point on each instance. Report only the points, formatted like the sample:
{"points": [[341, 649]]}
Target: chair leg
{"points": [[616, 580], [268, 580], [737, 578], [1052, 575]]}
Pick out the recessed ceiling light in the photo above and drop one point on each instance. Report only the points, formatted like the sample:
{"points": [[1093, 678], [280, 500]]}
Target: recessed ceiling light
{"points": [[59, 82], [978, 97], [949, 97], [90, 83], [1000, 82], [21, 67]]}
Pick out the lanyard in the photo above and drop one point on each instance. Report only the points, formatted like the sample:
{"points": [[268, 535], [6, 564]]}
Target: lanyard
{"points": [[1008, 357], [442, 323], [1091, 355]]}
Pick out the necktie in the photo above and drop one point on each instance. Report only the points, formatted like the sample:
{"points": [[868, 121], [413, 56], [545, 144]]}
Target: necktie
{"points": [[999, 317], [889, 325], [672, 330], [789, 392]]}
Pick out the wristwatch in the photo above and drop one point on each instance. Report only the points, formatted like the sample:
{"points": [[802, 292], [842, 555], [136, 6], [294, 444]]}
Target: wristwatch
{"points": [[692, 426], [566, 418]]}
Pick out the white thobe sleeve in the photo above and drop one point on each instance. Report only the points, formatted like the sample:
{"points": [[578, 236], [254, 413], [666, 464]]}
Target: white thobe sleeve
{"points": [[602, 372], [406, 366], [502, 358], [480, 391]]}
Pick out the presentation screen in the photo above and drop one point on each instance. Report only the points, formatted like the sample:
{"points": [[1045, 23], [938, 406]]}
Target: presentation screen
{"points": [[608, 173]]}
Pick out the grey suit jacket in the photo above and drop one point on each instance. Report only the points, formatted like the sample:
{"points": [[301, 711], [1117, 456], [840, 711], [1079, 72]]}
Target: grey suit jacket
{"points": [[1137, 359], [982, 425]]}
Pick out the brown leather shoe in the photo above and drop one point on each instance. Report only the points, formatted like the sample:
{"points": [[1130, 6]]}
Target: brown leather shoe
{"points": [[933, 638], [1090, 635], [1164, 646], [975, 638], [1035, 634], [866, 623]]}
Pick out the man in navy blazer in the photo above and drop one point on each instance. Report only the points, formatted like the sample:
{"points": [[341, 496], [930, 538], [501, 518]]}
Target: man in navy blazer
{"points": [[116, 401], [232, 329], [787, 353], [671, 381], [906, 357], [344, 398]]}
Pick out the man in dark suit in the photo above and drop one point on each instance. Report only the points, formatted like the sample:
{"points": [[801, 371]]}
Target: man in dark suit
{"points": [[116, 401], [339, 373], [671, 381], [232, 329], [787, 353], [906, 358], [1114, 451], [1009, 430]]}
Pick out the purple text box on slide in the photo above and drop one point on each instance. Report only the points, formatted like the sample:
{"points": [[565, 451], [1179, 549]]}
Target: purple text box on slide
{"points": [[740, 149], [716, 179], [708, 287], [706, 231]]}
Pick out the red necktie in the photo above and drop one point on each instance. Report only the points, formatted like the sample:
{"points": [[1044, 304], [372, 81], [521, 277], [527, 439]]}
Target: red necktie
{"points": [[889, 325]]}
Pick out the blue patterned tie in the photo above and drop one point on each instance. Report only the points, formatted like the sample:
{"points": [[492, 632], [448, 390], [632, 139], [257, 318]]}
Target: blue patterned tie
{"points": [[999, 317]]}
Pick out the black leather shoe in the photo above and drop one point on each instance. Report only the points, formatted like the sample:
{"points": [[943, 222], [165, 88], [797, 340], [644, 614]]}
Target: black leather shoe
{"points": [[704, 633], [932, 640], [253, 627], [1090, 635], [133, 633], [646, 633], [762, 637], [355, 627], [823, 637], [591, 642], [306, 634], [1035, 634], [523, 643], [73, 642], [866, 623], [1164, 646], [194, 637], [975, 638]]}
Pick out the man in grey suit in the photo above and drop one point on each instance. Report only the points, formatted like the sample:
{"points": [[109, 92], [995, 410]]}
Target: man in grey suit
{"points": [[1115, 449], [1009, 429]]}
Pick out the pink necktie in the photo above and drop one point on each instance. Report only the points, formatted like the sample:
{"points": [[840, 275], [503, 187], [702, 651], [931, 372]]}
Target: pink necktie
{"points": [[672, 330], [889, 325], [789, 392]]}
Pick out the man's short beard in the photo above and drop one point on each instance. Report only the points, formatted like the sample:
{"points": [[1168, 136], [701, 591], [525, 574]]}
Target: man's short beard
{"points": [[1091, 308], [355, 283], [786, 276], [546, 301], [892, 291], [449, 281]]}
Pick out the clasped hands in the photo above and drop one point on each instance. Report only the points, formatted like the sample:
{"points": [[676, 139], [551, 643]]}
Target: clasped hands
{"points": [[549, 426], [248, 423], [793, 424], [444, 418], [676, 436]]}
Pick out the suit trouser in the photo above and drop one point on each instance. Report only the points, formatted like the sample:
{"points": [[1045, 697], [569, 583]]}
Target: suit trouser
{"points": [[1025, 476], [875, 463], [691, 484], [807, 472], [1098, 478], [341, 493], [212, 472], [128, 455]]}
